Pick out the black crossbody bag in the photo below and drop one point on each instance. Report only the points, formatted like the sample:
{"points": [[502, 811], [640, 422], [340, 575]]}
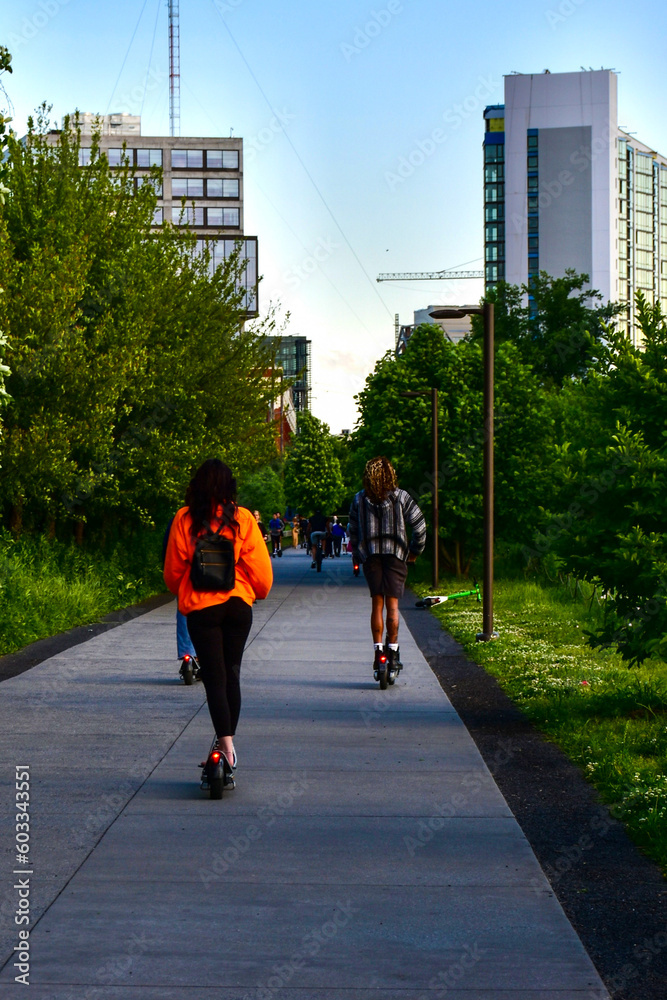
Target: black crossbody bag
{"points": [[213, 564]]}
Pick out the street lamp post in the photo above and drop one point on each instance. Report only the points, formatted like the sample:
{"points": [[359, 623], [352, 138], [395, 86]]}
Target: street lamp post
{"points": [[487, 311], [434, 441]]}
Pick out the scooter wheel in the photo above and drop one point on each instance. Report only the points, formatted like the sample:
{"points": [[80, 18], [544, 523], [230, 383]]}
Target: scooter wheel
{"points": [[383, 678], [187, 674], [215, 786]]}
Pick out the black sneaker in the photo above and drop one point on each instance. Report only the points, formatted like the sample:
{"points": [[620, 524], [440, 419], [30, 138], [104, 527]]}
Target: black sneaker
{"points": [[394, 665]]}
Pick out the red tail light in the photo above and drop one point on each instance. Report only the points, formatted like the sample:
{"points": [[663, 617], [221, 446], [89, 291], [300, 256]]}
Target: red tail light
{"points": [[187, 658], [383, 659], [356, 566], [215, 756]]}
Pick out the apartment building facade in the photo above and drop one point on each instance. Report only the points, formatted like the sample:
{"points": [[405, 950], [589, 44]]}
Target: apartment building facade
{"points": [[202, 184]]}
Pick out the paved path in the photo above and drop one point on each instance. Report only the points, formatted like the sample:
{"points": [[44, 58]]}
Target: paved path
{"points": [[366, 852]]}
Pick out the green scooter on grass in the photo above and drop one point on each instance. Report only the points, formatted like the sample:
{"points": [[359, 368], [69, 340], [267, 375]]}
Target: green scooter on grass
{"points": [[430, 602]]}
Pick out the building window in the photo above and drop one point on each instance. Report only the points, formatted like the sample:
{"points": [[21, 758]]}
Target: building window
{"points": [[158, 216], [84, 157], [187, 159], [226, 218], [191, 216], [149, 182], [116, 156], [532, 162], [533, 243], [494, 172], [494, 153], [494, 192], [533, 185], [494, 212], [149, 157], [532, 141], [219, 188], [184, 187], [222, 159], [533, 224]]}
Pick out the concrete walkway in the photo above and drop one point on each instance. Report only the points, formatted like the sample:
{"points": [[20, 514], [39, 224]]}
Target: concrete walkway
{"points": [[366, 851]]}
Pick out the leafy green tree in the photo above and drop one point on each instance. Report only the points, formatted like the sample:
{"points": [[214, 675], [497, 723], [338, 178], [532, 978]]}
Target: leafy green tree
{"points": [[5, 67], [130, 361], [560, 331], [312, 471], [264, 491], [400, 428], [606, 522]]}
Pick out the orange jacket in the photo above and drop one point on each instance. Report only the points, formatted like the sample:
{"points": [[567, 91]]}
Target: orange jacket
{"points": [[254, 575]]}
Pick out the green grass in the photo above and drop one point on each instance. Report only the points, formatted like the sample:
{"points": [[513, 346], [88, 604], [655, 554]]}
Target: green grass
{"points": [[47, 587], [609, 719]]}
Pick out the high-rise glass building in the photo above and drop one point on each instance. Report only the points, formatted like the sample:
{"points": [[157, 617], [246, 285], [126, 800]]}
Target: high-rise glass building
{"points": [[293, 357], [565, 187]]}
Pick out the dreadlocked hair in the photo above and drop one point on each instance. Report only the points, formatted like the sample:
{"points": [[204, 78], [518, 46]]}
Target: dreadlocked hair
{"points": [[212, 487], [379, 479]]}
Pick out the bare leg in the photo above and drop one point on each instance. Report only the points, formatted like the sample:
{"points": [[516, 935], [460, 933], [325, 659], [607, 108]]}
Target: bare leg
{"points": [[392, 619], [226, 744], [377, 623]]}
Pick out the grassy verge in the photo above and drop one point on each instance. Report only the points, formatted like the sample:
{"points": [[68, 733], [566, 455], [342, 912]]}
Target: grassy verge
{"points": [[609, 719], [47, 587]]}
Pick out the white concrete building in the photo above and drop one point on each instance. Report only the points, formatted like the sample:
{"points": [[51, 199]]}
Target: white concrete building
{"points": [[565, 187]]}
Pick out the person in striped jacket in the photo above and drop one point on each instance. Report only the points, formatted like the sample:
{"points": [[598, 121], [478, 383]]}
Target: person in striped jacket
{"points": [[380, 515]]}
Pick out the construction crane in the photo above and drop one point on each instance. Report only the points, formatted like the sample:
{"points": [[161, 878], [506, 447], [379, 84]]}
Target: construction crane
{"points": [[430, 275]]}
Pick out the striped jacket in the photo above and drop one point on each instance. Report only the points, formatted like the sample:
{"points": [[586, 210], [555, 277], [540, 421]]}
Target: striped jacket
{"points": [[380, 529]]}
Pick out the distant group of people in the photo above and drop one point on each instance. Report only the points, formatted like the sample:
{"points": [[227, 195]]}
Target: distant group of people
{"points": [[216, 604]]}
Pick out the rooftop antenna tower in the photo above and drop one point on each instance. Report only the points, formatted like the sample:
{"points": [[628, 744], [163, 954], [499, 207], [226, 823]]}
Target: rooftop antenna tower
{"points": [[174, 69]]}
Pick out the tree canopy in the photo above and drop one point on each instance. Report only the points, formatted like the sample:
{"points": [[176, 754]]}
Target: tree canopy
{"points": [[313, 478], [558, 325]]}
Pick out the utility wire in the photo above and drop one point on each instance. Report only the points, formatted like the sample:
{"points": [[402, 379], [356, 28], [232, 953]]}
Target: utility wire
{"points": [[150, 58], [288, 226], [308, 174], [136, 27]]}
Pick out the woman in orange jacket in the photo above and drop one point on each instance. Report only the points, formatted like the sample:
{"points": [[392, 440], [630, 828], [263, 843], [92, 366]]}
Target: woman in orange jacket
{"points": [[218, 620]]}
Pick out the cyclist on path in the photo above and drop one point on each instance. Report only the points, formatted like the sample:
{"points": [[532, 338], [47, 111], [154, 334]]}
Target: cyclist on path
{"points": [[276, 525]]}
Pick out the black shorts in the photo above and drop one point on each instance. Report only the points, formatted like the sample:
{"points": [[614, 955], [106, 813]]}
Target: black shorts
{"points": [[385, 575]]}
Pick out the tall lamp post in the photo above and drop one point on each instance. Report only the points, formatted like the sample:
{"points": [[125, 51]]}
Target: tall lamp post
{"points": [[433, 393], [487, 312]]}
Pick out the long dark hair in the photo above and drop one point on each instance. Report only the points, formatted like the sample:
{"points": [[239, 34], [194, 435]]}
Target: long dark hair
{"points": [[212, 486]]}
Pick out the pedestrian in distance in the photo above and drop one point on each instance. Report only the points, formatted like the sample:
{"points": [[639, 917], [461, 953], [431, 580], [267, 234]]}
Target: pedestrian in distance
{"points": [[258, 517], [219, 616], [380, 515], [296, 525], [318, 528], [276, 526], [338, 532]]}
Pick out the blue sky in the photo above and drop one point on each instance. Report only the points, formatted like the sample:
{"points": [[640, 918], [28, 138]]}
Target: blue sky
{"points": [[332, 98]]}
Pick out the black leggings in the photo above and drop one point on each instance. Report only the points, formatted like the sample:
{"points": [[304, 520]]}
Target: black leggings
{"points": [[219, 636]]}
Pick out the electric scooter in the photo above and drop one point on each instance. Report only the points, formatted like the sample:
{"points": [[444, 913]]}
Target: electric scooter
{"points": [[216, 774], [189, 669], [430, 602]]}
